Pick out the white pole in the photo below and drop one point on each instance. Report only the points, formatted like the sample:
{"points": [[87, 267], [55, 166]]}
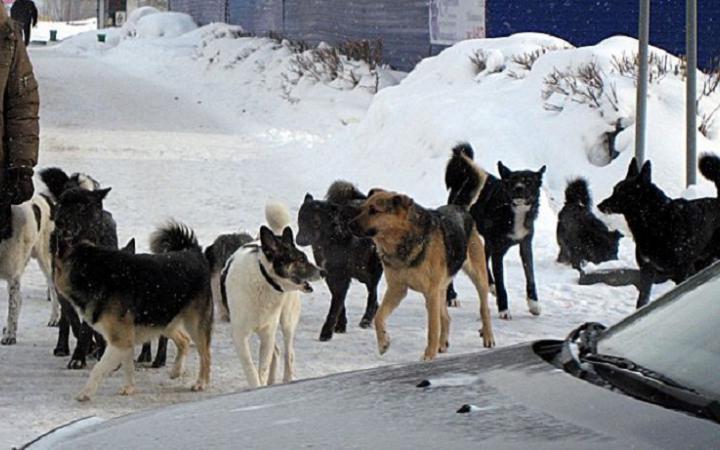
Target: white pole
{"points": [[691, 91], [642, 81]]}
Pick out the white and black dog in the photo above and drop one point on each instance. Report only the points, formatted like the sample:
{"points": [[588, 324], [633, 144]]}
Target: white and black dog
{"points": [[261, 284], [25, 231]]}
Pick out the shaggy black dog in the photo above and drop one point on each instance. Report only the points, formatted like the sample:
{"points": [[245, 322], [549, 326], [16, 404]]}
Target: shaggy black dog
{"points": [[505, 214], [582, 237], [343, 256], [674, 238]]}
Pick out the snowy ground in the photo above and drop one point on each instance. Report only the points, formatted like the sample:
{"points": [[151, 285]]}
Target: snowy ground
{"points": [[177, 137]]}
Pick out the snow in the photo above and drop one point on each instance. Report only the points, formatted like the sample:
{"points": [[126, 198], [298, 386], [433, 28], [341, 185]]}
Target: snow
{"points": [[64, 29], [206, 126], [164, 25]]}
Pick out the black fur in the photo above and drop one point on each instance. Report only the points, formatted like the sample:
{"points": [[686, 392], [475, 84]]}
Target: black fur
{"points": [[494, 214], [461, 176], [223, 247], [80, 217], [155, 288], [325, 226], [674, 238], [582, 237]]}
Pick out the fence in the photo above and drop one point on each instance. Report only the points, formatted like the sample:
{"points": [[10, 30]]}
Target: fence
{"points": [[403, 25]]}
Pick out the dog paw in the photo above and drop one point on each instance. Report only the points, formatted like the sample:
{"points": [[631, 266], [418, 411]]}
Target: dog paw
{"points": [[429, 355], [83, 396], [383, 345], [454, 303], [341, 328], [199, 386], [158, 363], [53, 322], [444, 348], [533, 307], [127, 390], [59, 351], [505, 315], [76, 364], [325, 336], [8, 340], [488, 339], [365, 323], [176, 373], [493, 289]]}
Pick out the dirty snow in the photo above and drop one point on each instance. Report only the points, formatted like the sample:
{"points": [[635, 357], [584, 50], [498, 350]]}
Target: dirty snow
{"points": [[204, 128]]}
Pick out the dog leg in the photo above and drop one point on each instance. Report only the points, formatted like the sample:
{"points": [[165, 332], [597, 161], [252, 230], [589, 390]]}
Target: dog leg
{"points": [[394, 294], [338, 288], [82, 347], [476, 269], [113, 357], [161, 355], [433, 305], [14, 305], [526, 256], [372, 304], [128, 366], [644, 288], [182, 342], [242, 345], [145, 353], [451, 297], [502, 304], [272, 375], [444, 328], [62, 348], [54, 306], [288, 323], [200, 330], [267, 347]]}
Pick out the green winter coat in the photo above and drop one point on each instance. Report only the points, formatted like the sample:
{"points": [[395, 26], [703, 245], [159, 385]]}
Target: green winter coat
{"points": [[19, 101]]}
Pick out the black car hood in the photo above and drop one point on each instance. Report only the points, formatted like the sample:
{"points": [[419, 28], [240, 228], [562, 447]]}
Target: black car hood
{"points": [[514, 398]]}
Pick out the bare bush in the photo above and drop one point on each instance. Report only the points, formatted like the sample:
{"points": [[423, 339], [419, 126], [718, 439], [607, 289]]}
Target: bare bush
{"points": [[586, 85], [370, 52], [711, 83], [479, 60], [659, 66]]}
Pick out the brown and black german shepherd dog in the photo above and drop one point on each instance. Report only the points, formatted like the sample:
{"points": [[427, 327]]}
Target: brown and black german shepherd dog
{"points": [[422, 249], [131, 299]]}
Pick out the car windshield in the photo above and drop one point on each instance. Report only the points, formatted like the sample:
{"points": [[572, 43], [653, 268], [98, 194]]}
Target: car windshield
{"points": [[677, 336]]}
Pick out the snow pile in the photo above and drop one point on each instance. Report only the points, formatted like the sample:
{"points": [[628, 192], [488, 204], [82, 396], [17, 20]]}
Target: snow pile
{"points": [[164, 25], [529, 100]]}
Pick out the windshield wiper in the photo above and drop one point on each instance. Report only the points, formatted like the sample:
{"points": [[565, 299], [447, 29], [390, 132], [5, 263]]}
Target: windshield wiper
{"points": [[646, 384]]}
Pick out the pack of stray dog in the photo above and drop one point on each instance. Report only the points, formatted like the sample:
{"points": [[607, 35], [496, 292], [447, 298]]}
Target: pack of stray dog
{"points": [[113, 299]]}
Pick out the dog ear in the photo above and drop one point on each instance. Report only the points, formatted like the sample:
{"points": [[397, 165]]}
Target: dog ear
{"points": [[374, 191], [100, 194], [129, 247], [632, 169], [646, 172], [287, 236], [402, 201], [268, 241], [542, 171], [503, 171], [308, 198]]}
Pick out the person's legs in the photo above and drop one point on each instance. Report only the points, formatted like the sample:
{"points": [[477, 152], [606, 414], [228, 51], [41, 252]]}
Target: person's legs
{"points": [[26, 33]]}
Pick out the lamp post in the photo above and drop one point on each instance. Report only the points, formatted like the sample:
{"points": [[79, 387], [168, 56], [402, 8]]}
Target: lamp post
{"points": [[642, 81], [691, 91]]}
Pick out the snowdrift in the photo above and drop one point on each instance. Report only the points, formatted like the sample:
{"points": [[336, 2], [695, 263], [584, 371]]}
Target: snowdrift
{"points": [[528, 100]]}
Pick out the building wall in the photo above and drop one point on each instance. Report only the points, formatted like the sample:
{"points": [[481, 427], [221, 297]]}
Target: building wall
{"points": [[403, 24]]}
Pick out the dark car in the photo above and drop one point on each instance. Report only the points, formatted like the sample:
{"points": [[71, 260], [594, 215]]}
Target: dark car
{"points": [[652, 380]]}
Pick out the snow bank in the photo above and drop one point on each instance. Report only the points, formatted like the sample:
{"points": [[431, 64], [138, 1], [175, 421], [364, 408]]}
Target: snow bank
{"points": [[164, 25], [528, 100], [64, 29]]}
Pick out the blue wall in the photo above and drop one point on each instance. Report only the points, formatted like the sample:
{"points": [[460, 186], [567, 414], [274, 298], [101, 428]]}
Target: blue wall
{"points": [[583, 22], [403, 24]]}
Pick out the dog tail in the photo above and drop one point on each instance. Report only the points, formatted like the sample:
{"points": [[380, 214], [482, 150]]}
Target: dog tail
{"points": [[342, 192], [463, 178], [55, 180], [277, 216], [710, 169], [174, 237], [578, 193]]}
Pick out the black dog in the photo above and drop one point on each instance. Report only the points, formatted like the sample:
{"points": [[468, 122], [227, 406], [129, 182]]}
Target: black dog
{"points": [[80, 216], [326, 226], [582, 237], [504, 213], [674, 238], [217, 255]]}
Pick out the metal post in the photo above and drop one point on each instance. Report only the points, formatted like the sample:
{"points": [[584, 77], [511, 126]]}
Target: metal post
{"points": [[691, 91], [102, 11], [642, 81]]}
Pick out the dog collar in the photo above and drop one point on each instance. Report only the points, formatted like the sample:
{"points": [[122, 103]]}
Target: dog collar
{"points": [[269, 279]]}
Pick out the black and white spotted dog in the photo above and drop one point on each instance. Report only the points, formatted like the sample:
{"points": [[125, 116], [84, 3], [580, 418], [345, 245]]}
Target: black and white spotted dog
{"points": [[25, 233]]}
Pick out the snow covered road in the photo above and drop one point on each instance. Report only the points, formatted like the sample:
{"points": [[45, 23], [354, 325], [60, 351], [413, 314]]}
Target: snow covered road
{"points": [[170, 150]]}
